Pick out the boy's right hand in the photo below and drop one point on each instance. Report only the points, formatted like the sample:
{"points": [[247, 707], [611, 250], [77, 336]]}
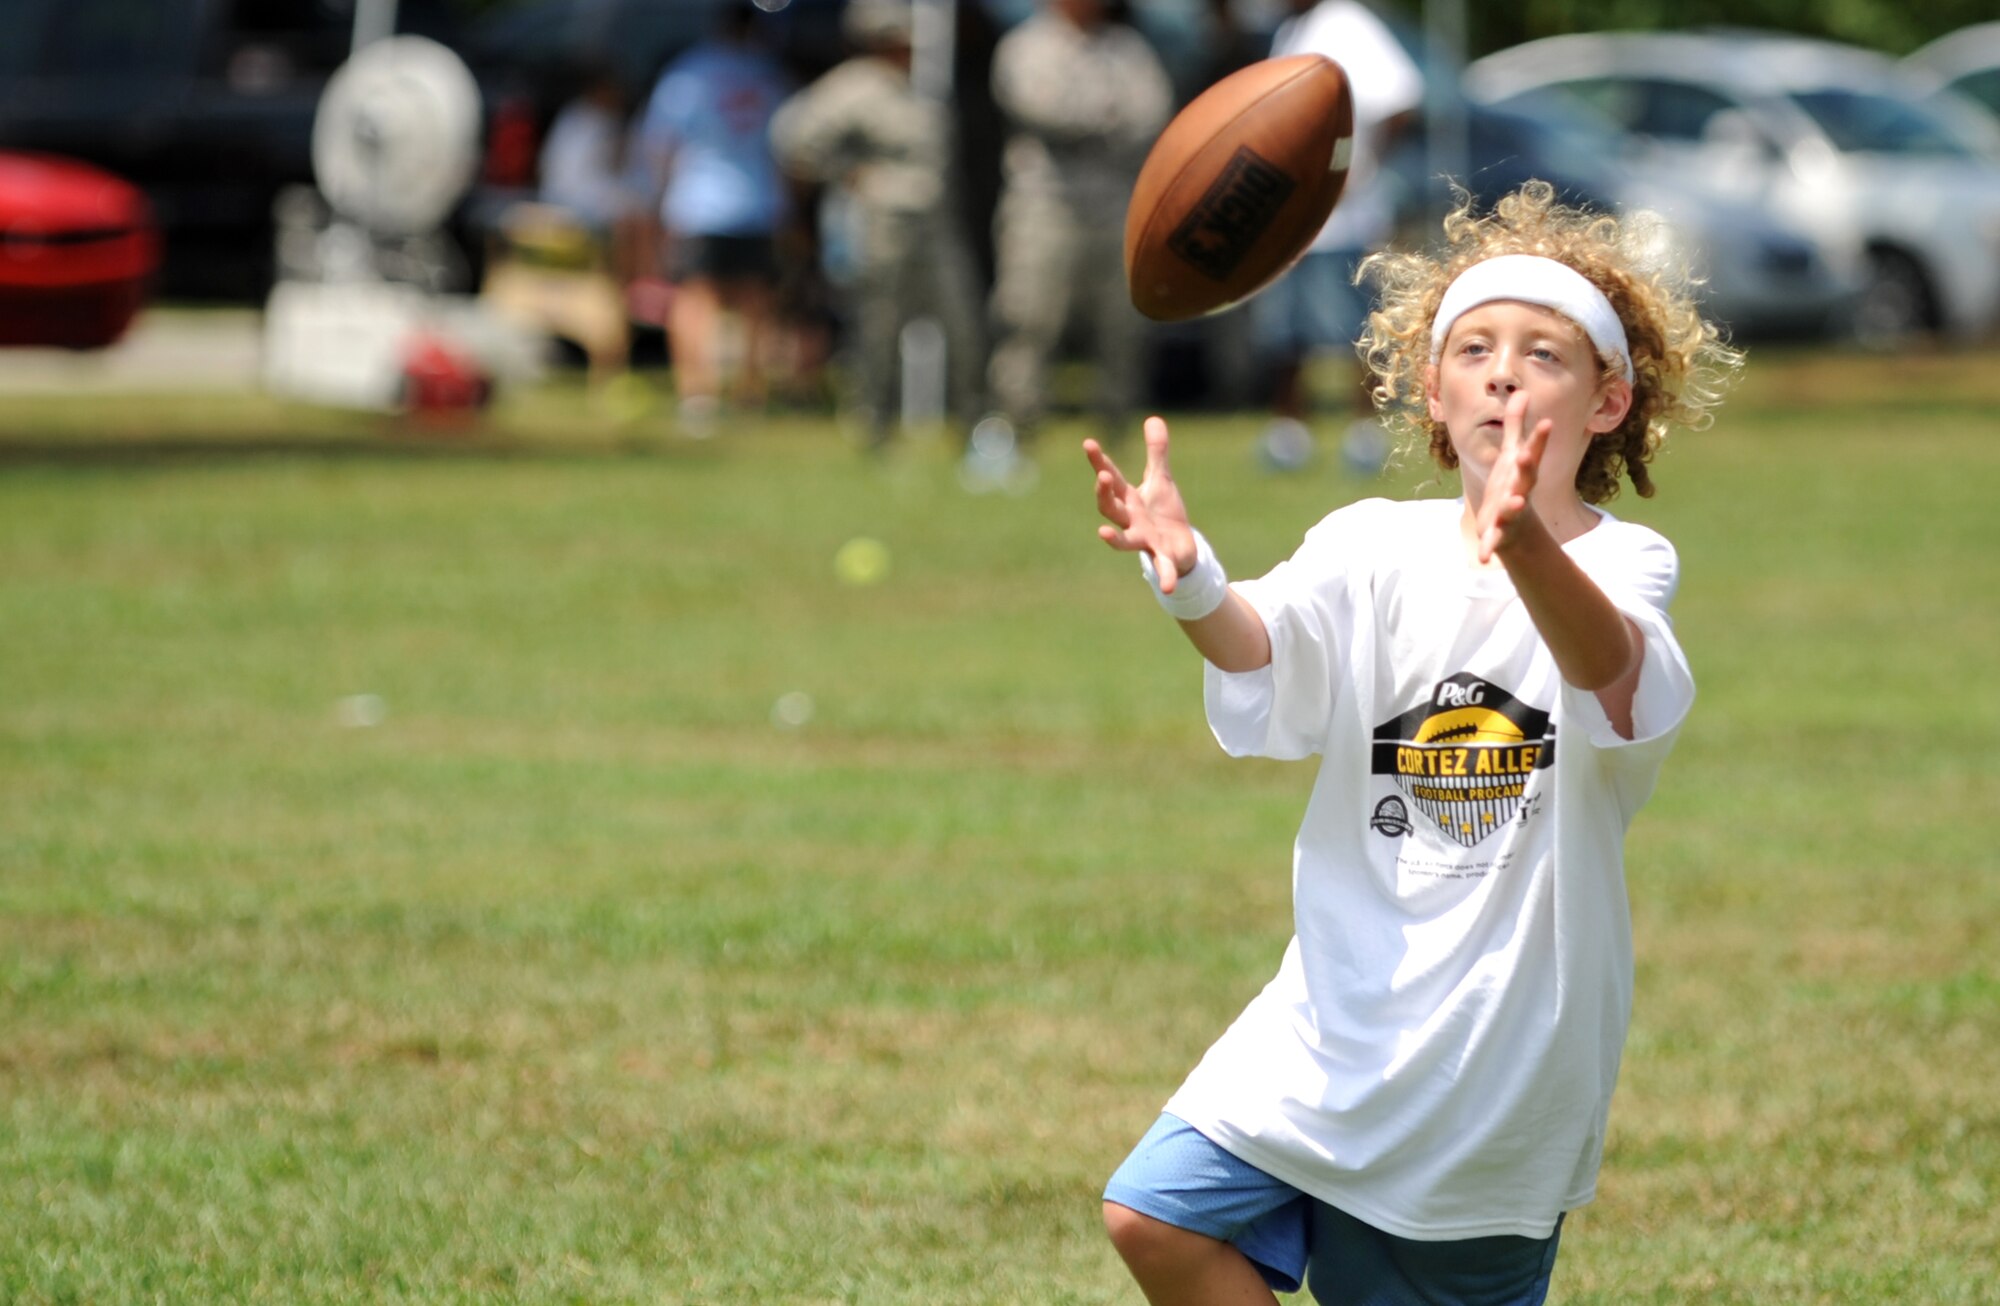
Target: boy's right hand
{"points": [[1148, 517]]}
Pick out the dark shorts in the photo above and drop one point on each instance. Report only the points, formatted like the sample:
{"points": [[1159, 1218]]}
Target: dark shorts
{"points": [[722, 258], [1177, 1175], [1314, 307]]}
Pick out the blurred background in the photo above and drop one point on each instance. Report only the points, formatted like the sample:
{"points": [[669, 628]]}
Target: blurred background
{"points": [[565, 734], [1830, 170]]}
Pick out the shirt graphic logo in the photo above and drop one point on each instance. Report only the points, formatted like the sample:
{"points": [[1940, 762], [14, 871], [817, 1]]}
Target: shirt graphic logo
{"points": [[1391, 818], [1464, 756]]}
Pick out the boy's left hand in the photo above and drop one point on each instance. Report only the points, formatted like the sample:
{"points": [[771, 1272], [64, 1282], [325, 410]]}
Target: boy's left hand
{"points": [[1504, 509]]}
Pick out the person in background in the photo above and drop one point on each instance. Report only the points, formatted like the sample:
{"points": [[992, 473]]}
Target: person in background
{"points": [[582, 165], [1084, 97], [866, 128], [559, 264], [1230, 373], [1317, 306], [704, 163]]}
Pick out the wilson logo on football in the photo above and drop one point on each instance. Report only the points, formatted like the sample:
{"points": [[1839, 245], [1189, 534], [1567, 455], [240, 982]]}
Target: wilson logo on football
{"points": [[1232, 214]]}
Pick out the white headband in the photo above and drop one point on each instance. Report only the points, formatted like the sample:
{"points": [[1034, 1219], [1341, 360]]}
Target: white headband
{"points": [[1532, 279]]}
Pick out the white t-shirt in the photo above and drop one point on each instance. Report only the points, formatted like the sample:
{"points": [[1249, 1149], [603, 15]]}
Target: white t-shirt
{"points": [[1383, 81], [581, 167], [1437, 1052]]}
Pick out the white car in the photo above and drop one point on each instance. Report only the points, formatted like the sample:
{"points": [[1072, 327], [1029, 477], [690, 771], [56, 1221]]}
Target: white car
{"points": [[1833, 140], [1760, 278]]}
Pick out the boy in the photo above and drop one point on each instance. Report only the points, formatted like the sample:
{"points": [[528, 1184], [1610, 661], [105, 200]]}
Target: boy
{"points": [[1415, 1100]]}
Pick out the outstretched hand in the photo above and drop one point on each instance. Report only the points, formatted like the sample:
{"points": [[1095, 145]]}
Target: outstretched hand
{"points": [[1148, 517], [1504, 508]]}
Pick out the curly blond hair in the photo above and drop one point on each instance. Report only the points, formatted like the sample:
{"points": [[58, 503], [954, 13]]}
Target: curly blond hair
{"points": [[1681, 365]]}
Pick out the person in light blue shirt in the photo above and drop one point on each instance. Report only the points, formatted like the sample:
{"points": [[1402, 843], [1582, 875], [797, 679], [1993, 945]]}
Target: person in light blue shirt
{"points": [[704, 153]]}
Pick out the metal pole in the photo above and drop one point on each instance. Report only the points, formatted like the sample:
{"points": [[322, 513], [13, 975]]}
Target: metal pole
{"points": [[1447, 135], [924, 349], [921, 347], [373, 20], [933, 38]]}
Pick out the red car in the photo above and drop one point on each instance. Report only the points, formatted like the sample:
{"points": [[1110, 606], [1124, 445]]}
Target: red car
{"points": [[78, 250]]}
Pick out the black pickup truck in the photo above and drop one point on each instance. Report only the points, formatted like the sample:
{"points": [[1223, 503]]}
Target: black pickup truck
{"points": [[206, 105]]}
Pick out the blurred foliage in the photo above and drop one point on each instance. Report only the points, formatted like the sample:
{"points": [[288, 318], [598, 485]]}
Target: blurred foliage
{"points": [[1888, 25]]}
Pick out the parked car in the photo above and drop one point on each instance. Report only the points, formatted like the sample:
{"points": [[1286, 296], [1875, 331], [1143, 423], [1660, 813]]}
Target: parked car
{"points": [[78, 251], [1833, 140], [1964, 63], [1761, 277]]}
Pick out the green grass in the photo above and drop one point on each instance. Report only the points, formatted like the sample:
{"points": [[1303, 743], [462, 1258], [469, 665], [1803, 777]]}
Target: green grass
{"points": [[578, 979]]}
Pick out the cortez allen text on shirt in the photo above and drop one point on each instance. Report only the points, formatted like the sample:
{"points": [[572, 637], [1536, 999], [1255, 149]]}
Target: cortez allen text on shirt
{"points": [[1487, 759]]}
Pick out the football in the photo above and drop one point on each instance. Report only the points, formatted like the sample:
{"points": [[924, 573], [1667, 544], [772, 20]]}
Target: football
{"points": [[1237, 186]]}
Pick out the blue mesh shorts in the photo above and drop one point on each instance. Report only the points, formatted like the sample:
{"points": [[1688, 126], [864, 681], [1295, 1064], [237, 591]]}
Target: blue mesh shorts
{"points": [[1177, 1175]]}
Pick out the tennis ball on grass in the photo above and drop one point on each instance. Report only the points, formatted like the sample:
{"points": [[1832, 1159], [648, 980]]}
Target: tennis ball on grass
{"points": [[861, 561]]}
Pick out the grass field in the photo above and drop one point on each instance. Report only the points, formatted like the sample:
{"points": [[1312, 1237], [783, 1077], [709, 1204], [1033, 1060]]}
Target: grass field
{"points": [[584, 974]]}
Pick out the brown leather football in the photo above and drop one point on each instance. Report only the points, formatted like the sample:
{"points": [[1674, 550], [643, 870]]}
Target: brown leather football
{"points": [[1237, 186]]}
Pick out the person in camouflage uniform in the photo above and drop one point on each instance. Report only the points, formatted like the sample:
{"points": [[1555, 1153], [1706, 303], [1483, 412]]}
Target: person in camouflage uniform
{"points": [[1084, 97], [864, 126]]}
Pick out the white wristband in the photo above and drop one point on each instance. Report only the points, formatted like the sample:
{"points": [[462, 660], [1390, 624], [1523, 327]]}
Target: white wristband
{"points": [[1196, 594]]}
